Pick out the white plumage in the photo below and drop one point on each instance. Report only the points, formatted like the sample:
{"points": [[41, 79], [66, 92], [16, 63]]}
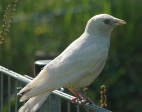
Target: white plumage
{"points": [[77, 66]]}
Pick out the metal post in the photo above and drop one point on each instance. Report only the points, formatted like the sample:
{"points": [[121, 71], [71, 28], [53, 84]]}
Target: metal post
{"points": [[68, 106], [39, 65], [53, 103], [9, 95], [16, 104], [1, 92], [78, 108]]}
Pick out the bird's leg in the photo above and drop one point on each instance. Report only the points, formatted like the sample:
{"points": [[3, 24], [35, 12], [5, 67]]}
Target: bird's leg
{"points": [[79, 95], [75, 93]]}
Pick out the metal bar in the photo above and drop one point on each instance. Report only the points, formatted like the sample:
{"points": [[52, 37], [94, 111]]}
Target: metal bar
{"points": [[68, 106], [56, 92], [89, 106], [9, 90], [63, 95], [96, 108], [55, 100], [1, 95], [52, 104], [14, 74], [28, 77], [16, 105], [78, 108]]}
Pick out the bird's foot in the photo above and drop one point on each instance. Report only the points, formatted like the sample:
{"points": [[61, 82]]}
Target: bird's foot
{"points": [[79, 100], [75, 99], [82, 101]]}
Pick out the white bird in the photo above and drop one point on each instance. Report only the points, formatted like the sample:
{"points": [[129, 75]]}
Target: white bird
{"points": [[77, 66]]}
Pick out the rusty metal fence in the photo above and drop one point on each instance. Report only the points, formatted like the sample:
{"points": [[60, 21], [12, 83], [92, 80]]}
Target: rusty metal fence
{"points": [[58, 101]]}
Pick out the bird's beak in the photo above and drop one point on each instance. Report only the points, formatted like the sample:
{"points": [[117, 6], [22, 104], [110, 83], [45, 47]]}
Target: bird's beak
{"points": [[119, 21]]}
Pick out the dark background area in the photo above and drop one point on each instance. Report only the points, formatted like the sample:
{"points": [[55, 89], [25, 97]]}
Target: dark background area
{"points": [[42, 29]]}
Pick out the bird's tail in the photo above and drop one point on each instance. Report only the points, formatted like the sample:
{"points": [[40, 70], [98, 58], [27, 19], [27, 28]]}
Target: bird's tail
{"points": [[34, 103]]}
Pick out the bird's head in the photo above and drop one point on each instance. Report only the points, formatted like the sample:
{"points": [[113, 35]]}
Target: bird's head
{"points": [[103, 23]]}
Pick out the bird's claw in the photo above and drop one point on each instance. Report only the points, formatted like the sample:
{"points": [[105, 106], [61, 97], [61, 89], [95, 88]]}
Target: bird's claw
{"points": [[75, 100], [82, 101], [78, 100]]}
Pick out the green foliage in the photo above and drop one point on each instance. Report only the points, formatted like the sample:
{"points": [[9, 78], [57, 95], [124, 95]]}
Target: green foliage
{"points": [[51, 25]]}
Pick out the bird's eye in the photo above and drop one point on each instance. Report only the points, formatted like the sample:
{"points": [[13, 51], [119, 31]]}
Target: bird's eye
{"points": [[106, 21]]}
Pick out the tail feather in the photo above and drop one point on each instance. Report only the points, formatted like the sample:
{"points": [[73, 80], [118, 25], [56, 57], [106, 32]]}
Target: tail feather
{"points": [[37, 80], [29, 94], [34, 103]]}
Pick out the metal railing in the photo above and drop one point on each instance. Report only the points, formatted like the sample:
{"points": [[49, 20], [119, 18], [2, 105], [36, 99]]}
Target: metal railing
{"points": [[58, 101]]}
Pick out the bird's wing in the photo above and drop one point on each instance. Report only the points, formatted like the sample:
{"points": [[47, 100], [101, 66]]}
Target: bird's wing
{"points": [[65, 69]]}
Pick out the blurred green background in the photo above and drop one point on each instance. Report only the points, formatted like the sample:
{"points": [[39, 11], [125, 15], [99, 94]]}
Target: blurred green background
{"points": [[44, 28]]}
